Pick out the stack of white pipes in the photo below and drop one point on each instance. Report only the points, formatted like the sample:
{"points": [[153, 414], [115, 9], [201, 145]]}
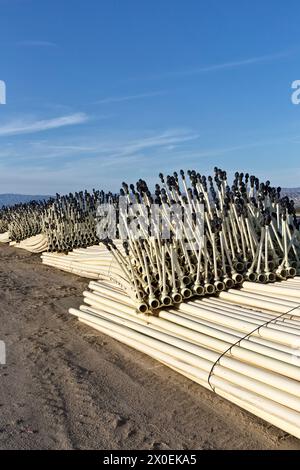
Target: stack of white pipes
{"points": [[94, 262], [250, 357], [85, 262], [4, 237], [35, 244], [243, 344], [277, 298]]}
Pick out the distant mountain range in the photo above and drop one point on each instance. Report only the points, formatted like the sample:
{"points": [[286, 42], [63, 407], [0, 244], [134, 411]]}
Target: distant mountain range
{"points": [[293, 193], [11, 199]]}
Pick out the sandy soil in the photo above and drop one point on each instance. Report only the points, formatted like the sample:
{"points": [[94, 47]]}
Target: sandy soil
{"points": [[66, 386]]}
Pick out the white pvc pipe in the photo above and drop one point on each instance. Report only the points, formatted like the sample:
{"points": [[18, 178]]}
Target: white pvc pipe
{"points": [[291, 419]]}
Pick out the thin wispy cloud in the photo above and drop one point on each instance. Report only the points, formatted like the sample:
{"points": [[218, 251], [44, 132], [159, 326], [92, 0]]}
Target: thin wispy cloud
{"points": [[169, 137], [23, 126], [115, 152], [223, 65], [84, 159], [79, 148], [36, 43], [111, 152], [195, 153], [119, 99]]}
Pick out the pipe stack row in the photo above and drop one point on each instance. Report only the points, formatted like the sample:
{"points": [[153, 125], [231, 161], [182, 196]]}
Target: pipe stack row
{"points": [[35, 244], [66, 222], [218, 236], [70, 222], [248, 356], [238, 243], [189, 237], [22, 221], [4, 237], [88, 262]]}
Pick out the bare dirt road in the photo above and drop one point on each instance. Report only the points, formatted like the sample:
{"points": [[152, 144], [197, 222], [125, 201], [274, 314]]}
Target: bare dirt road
{"points": [[66, 386]]}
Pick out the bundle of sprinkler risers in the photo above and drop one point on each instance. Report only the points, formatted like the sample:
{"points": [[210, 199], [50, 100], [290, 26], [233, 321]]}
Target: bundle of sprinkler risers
{"points": [[60, 224], [217, 301], [70, 222], [21, 224], [209, 238]]}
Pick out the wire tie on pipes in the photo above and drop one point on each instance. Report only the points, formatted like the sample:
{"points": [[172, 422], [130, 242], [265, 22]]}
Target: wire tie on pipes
{"points": [[237, 343]]}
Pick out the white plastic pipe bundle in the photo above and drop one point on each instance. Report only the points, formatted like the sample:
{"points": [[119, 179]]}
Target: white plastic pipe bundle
{"points": [[5, 237], [260, 372], [95, 262], [35, 244], [219, 235], [85, 262], [70, 221], [22, 220], [67, 221]]}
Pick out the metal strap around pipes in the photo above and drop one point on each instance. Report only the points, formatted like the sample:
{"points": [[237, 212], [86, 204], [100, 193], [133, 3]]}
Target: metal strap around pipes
{"points": [[237, 343]]}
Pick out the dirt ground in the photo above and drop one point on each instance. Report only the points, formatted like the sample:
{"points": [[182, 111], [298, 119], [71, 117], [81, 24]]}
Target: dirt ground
{"points": [[66, 386]]}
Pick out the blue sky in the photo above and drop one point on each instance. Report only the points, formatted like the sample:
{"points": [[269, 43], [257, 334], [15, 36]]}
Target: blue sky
{"points": [[101, 91]]}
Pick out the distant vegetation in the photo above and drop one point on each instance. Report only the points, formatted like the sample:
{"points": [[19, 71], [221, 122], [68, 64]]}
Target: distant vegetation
{"points": [[11, 199]]}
